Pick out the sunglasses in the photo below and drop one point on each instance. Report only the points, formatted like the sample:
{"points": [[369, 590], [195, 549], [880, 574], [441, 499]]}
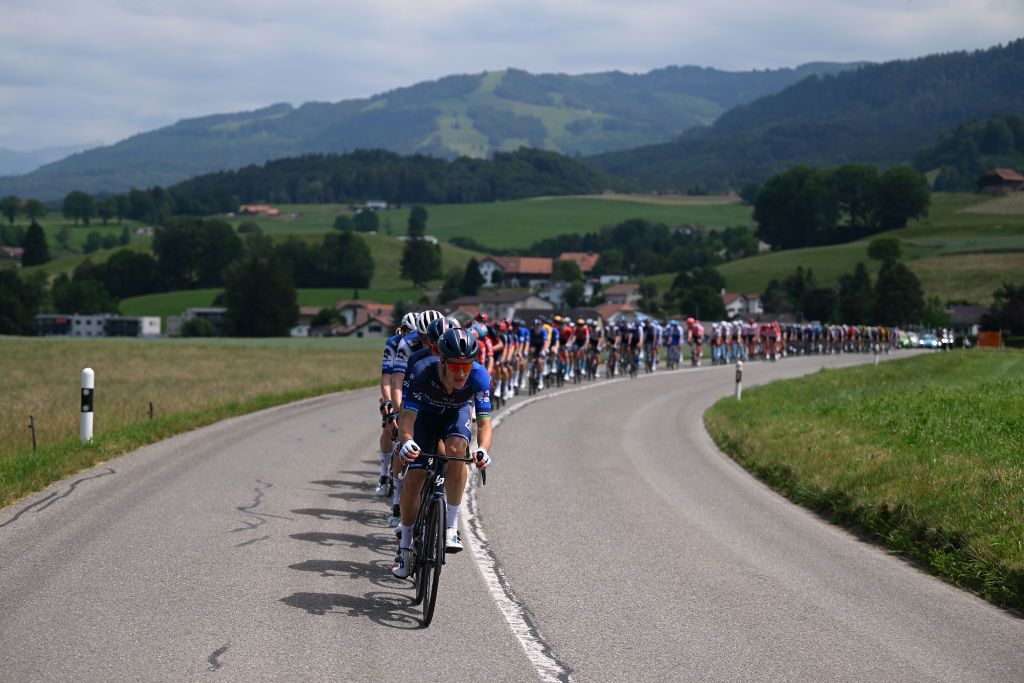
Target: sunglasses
{"points": [[459, 366]]}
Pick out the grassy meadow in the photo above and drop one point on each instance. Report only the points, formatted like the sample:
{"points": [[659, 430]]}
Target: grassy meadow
{"points": [[189, 382], [924, 454]]}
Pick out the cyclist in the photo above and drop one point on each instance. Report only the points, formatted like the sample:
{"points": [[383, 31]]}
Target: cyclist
{"points": [[651, 334], [437, 408], [387, 406], [674, 341], [695, 337], [580, 344], [540, 340], [410, 344]]}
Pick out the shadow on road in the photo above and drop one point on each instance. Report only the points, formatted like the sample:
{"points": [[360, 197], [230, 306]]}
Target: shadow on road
{"points": [[377, 572], [371, 518], [387, 609], [381, 544]]}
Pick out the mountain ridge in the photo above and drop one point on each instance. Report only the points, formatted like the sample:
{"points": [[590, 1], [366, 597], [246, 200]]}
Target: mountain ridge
{"points": [[459, 115]]}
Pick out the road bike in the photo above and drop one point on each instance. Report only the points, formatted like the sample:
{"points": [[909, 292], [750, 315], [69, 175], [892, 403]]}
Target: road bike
{"points": [[428, 542]]}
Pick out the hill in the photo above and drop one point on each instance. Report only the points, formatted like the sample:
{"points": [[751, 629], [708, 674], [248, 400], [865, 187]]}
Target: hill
{"points": [[879, 114], [466, 115], [963, 155]]}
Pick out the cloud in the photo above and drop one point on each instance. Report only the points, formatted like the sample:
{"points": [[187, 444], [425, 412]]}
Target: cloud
{"points": [[74, 71]]}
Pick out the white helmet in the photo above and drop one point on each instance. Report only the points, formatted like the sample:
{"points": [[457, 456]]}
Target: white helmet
{"points": [[411, 321], [427, 317]]}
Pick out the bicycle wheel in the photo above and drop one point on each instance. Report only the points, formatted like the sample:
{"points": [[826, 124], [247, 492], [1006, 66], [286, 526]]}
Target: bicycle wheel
{"points": [[434, 559]]}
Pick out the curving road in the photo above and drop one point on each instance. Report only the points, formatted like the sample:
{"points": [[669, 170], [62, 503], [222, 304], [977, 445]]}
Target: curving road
{"points": [[616, 543]]}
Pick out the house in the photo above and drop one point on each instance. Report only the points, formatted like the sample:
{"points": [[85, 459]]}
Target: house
{"points": [[586, 260], [742, 305], [12, 253], [363, 318], [505, 305], [258, 210], [1000, 180], [376, 205], [966, 320], [622, 293], [515, 271], [99, 325], [612, 313]]}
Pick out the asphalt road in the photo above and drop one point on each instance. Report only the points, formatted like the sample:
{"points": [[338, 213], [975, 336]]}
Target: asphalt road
{"points": [[611, 527]]}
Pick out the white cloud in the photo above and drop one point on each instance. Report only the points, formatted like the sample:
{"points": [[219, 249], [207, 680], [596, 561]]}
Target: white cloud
{"points": [[73, 71]]}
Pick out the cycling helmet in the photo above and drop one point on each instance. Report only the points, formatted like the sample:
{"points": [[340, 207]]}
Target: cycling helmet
{"points": [[453, 321], [458, 343], [410, 321], [482, 317], [427, 317], [437, 328], [690, 321], [557, 318], [579, 321]]}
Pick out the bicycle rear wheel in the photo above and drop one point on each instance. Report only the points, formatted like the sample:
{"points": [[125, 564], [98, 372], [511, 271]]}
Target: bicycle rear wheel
{"points": [[434, 559]]}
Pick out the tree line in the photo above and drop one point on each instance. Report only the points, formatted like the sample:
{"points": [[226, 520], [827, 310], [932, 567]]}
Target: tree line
{"points": [[806, 207], [973, 149]]}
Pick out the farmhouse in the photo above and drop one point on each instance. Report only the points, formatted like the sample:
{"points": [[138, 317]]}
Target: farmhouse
{"points": [[742, 305], [516, 271], [1000, 180], [505, 305], [258, 210], [622, 294], [11, 253], [586, 260]]}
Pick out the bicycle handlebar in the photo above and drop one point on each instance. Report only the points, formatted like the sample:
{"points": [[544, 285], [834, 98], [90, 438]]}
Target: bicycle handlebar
{"points": [[449, 458]]}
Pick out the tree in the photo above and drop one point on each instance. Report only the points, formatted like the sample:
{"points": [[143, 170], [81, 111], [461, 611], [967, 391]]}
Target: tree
{"points": [[20, 300], [796, 209], [417, 222], [452, 287], [37, 251], [347, 261], [421, 260], [106, 209], [197, 327], [79, 206], [855, 297], [472, 279], [344, 222], [903, 194], [575, 295], [93, 242], [249, 227], [855, 188], [10, 207], [84, 296], [885, 249], [130, 273], [748, 193], [774, 298], [64, 236], [819, 304], [1007, 311], [366, 221], [260, 298], [899, 299], [566, 271], [192, 252]]}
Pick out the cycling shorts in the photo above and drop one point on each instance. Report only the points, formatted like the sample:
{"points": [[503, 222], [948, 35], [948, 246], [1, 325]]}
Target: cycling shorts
{"points": [[433, 427]]}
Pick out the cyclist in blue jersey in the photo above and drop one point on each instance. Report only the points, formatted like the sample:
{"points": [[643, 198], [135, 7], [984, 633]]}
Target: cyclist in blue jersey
{"points": [[387, 406], [437, 408], [539, 343], [410, 344]]}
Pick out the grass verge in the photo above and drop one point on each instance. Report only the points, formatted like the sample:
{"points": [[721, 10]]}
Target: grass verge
{"points": [[190, 385], [924, 455]]}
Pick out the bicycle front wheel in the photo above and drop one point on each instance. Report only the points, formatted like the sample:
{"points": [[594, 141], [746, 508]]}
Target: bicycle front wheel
{"points": [[433, 560]]}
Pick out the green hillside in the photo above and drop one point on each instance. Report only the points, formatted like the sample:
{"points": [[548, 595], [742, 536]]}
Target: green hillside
{"points": [[879, 114], [959, 252], [474, 115]]}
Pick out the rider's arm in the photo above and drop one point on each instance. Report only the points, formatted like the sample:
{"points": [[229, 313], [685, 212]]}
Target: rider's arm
{"points": [[406, 422]]}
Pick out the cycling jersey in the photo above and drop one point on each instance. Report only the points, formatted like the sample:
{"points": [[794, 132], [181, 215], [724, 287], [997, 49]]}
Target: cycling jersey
{"points": [[410, 344], [388, 360], [413, 360]]}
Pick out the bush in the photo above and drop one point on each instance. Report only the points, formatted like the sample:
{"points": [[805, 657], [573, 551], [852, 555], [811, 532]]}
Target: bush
{"points": [[249, 226], [197, 327]]}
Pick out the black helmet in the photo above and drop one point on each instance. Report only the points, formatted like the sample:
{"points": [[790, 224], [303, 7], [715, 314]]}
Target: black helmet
{"points": [[458, 342], [437, 328]]}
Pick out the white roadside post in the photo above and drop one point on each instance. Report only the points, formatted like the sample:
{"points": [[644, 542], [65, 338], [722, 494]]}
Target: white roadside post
{"points": [[88, 386], [739, 379], [876, 353]]}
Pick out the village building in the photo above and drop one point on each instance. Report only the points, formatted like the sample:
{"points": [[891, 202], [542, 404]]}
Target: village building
{"points": [[258, 210], [742, 305], [98, 325], [1000, 180], [965, 321], [623, 293], [516, 271], [505, 305]]}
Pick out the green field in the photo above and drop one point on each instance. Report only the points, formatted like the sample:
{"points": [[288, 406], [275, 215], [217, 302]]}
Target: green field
{"points": [[957, 253], [523, 222], [925, 454]]}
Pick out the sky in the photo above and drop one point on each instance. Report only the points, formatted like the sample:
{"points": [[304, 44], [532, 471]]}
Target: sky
{"points": [[75, 72]]}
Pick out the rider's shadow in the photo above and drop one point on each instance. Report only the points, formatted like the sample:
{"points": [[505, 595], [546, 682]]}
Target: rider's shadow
{"points": [[354, 496], [361, 484], [380, 544], [377, 572], [372, 518], [387, 609]]}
